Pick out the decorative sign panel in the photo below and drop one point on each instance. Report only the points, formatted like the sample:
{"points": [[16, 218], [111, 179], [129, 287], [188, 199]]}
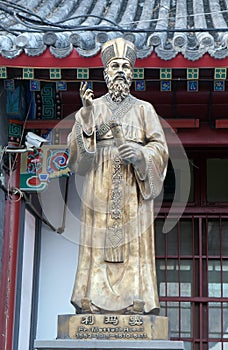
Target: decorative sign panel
{"points": [[166, 85], [140, 85], [165, 73], [219, 85], [28, 73], [3, 72], [192, 85], [220, 73], [138, 73], [61, 86], [55, 73], [34, 85], [192, 73], [83, 73]]}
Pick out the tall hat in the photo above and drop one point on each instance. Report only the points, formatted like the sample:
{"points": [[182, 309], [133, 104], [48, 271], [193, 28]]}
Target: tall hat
{"points": [[118, 48]]}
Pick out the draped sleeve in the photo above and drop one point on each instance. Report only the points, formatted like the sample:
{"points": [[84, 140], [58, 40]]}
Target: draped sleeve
{"points": [[150, 173]]}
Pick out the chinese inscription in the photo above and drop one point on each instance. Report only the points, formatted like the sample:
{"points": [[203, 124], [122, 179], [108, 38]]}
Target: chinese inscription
{"points": [[110, 327]]}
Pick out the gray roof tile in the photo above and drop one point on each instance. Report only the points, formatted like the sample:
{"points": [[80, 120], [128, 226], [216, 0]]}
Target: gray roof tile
{"points": [[168, 27]]}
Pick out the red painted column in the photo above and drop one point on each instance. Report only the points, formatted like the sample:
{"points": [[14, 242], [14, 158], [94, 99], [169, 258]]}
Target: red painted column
{"points": [[9, 264]]}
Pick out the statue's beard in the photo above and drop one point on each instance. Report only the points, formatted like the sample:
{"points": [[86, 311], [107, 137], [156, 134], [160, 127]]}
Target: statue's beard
{"points": [[118, 89]]}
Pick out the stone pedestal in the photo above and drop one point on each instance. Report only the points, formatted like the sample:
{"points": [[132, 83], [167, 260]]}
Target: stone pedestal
{"points": [[112, 327], [122, 332], [65, 344]]}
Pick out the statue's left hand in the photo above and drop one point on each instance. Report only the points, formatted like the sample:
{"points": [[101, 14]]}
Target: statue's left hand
{"points": [[130, 153]]}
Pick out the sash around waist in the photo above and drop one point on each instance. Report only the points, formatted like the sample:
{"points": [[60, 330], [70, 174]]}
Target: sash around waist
{"points": [[111, 142]]}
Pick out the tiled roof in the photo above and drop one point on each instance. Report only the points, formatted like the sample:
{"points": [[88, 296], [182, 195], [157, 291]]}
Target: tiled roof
{"points": [[168, 27]]}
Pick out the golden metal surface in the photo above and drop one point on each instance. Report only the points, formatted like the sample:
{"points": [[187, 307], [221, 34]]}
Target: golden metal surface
{"points": [[116, 267]]}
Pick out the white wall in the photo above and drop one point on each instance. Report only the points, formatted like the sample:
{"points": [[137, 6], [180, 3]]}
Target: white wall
{"points": [[58, 261], [26, 282]]}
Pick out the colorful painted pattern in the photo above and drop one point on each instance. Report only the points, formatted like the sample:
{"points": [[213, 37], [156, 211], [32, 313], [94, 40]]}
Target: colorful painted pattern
{"points": [[42, 165]]}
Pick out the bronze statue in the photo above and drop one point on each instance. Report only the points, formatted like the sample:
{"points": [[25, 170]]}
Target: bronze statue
{"points": [[118, 144]]}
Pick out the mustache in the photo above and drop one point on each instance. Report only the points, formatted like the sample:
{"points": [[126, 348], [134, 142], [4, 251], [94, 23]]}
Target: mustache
{"points": [[120, 75]]}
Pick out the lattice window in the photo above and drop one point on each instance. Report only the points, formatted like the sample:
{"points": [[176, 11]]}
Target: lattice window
{"points": [[192, 271]]}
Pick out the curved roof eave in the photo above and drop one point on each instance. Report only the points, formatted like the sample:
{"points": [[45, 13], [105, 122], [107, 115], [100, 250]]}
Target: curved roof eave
{"points": [[165, 33]]}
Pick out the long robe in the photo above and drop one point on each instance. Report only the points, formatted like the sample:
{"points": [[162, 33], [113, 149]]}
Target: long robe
{"points": [[116, 263]]}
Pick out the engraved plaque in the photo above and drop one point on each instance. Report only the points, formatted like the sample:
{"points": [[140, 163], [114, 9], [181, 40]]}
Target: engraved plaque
{"points": [[110, 326]]}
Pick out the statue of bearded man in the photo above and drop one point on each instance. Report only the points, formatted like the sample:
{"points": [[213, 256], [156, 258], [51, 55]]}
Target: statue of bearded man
{"points": [[118, 144]]}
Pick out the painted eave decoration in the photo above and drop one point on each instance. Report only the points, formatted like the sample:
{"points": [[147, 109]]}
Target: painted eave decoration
{"points": [[191, 28]]}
